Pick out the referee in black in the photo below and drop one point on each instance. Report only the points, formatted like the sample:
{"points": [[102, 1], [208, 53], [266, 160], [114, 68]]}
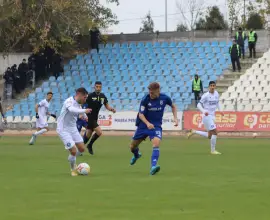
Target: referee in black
{"points": [[94, 101]]}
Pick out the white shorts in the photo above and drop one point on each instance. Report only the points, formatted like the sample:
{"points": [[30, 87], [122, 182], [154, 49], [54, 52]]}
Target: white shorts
{"points": [[209, 123], [41, 123], [70, 138]]}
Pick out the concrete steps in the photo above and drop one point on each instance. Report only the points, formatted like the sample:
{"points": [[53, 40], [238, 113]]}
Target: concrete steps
{"points": [[228, 78]]}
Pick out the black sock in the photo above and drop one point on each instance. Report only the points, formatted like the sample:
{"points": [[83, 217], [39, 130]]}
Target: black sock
{"points": [[93, 139]]}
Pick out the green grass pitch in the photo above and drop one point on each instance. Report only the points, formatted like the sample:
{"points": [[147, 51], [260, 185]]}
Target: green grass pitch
{"points": [[35, 182]]}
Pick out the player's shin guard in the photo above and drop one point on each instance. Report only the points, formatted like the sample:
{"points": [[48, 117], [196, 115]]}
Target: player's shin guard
{"points": [[42, 131], [202, 133], [93, 139], [85, 138], [72, 161], [135, 152], [155, 156], [213, 142]]}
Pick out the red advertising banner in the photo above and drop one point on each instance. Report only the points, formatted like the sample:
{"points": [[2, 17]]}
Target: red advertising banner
{"points": [[231, 121]]}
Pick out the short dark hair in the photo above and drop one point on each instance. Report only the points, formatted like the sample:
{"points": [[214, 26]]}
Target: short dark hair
{"points": [[196, 75], [98, 83], [240, 29], [154, 86], [24, 60], [212, 82], [49, 93], [82, 90]]}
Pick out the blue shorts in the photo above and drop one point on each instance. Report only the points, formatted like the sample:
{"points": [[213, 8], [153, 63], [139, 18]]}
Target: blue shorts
{"points": [[80, 124], [144, 133]]}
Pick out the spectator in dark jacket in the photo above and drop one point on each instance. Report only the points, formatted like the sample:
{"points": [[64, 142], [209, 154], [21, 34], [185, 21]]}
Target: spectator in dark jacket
{"points": [[56, 65], [235, 55], [22, 70], [8, 76], [240, 37], [9, 83], [17, 80], [95, 36]]}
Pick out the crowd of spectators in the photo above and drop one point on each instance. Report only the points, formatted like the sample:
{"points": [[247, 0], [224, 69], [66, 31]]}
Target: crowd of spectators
{"points": [[40, 65]]}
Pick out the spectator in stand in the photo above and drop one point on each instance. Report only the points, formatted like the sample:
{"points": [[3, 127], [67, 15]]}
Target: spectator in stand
{"points": [[234, 51], [48, 53], [9, 81], [41, 70], [95, 37], [22, 70], [56, 65], [31, 62], [197, 88], [17, 81], [240, 38], [252, 40]]}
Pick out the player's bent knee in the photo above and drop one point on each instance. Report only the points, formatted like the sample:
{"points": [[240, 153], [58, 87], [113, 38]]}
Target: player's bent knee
{"points": [[156, 142], [73, 151], [98, 131]]}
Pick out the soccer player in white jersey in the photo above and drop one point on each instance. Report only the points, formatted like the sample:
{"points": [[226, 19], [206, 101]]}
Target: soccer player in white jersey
{"points": [[41, 116], [208, 105], [67, 127]]}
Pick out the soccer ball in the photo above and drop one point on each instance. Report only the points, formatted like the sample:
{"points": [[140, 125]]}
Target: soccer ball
{"points": [[254, 135], [83, 169]]}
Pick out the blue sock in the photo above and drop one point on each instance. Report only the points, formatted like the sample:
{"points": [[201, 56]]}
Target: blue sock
{"points": [[85, 138], [155, 156], [135, 151]]}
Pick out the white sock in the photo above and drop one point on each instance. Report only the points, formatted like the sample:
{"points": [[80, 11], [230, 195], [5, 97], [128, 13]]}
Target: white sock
{"points": [[202, 133], [72, 161], [213, 142], [40, 132]]}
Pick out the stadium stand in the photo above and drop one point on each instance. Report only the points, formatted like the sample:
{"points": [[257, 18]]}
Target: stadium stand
{"points": [[125, 71], [251, 91]]}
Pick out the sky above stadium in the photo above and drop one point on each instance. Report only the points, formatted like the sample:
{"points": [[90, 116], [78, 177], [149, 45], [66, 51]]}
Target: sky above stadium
{"points": [[131, 12]]}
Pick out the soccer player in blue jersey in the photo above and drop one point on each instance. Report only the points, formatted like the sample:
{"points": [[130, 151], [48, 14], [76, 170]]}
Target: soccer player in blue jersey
{"points": [[82, 122], [149, 121]]}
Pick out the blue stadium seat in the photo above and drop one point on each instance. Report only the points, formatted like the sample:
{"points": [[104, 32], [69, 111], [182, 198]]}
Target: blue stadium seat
{"points": [[206, 44], [197, 44]]}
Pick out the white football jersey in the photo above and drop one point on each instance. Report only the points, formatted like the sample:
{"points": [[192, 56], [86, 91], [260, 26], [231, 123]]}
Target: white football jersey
{"points": [[67, 120], [210, 102], [43, 107]]}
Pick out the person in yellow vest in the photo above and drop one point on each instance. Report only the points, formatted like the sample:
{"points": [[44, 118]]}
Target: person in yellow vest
{"points": [[240, 37], [197, 88], [234, 51], [252, 40]]}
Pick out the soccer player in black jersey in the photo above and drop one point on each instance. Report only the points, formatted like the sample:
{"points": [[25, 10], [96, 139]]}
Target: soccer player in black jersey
{"points": [[95, 100]]}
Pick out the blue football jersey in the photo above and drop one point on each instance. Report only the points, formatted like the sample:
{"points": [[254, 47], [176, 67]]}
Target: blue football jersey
{"points": [[153, 110]]}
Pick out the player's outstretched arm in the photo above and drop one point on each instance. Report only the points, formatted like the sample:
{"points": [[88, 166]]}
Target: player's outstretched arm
{"points": [[174, 111], [109, 108], [145, 121], [79, 110]]}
